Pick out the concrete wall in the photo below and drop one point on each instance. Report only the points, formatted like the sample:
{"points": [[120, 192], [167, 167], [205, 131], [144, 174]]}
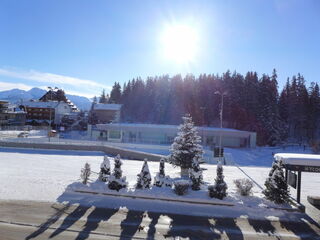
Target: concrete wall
{"points": [[124, 153]]}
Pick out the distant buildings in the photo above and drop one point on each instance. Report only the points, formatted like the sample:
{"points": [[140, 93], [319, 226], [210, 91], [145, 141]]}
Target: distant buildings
{"points": [[51, 107], [11, 115], [165, 134]]}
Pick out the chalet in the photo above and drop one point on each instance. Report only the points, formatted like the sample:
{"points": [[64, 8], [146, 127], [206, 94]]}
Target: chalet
{"points": [[106, 113]]}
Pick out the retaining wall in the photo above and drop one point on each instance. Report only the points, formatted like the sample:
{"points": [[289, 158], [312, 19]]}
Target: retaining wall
{"points": [[110, 150]]}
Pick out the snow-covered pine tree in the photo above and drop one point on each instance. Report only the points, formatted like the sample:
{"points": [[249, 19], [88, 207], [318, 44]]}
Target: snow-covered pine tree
{"points": [[186, 146], [85, 173], [160, 178], [144, 177], [219, 189], [276, 186], [116, 181], [196, 175], [104, 169]]}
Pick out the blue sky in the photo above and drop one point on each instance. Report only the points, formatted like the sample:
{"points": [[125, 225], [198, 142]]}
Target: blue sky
{"points": [[84, 46]]}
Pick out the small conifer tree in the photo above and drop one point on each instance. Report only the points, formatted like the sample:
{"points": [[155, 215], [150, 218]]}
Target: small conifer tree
{"points": [[160, 178], [144, 177], [104, 169], [276, 187], [116, 181], [186, 146], [219, 189], [196, 175], [85, 173]]}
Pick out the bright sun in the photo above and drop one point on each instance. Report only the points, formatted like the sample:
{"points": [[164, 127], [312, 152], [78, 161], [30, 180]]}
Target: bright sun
{"points": [[180, 43]]}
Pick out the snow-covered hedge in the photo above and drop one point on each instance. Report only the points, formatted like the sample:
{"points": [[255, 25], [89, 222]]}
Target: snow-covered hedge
{"points": [[181, 187], [244, 186]]}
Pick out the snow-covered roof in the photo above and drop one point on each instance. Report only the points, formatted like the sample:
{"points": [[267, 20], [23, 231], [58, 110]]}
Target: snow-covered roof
{"points": [[102, 106], [298, 159], [37, 104]]}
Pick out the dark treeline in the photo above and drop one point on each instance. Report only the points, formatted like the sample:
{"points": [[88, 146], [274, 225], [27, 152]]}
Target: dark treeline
{"points": [[252, 103]]}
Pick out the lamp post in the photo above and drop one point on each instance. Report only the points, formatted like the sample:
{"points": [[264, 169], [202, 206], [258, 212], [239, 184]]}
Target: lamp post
{"points": [[50, 113], [221, 119]]}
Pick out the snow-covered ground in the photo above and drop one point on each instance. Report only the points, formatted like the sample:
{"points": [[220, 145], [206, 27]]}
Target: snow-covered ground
{"points": [[44, 175]]}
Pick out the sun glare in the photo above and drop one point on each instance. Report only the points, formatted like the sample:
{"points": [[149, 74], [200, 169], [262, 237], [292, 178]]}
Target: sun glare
{"points": [[179, 43]]}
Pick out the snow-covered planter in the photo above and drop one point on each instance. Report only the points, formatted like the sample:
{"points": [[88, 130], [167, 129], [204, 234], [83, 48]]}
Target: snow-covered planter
{"points": [[244, 186], [85, 173], [186, 146], [144, 177], [104, 169], [181, 187], [116, 181], [219, 189]]}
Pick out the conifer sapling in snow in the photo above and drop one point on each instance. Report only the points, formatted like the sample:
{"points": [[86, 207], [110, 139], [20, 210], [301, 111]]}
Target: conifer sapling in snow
{"points": [[196, 175], [104, 169], [276, 186], [85, 173], [219, 189], [186, 146], [116, 181], [144, 177], [161, 179]]}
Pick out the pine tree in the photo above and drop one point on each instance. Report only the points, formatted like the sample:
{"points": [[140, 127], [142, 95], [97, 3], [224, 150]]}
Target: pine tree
{"points": [[144, 177], [115, 94], [104, 169], [219, 189], [116, 181], [276, 187], [103, 98], [159, 179], [196, 175], [186, 146], [85, 173]]}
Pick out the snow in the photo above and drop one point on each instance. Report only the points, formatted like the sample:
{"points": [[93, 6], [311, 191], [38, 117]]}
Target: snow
{"points": [[299, 159], [52, 175]]}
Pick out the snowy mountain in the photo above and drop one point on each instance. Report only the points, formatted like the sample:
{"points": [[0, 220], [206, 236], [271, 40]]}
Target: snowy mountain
{"points": [[17, 96]]}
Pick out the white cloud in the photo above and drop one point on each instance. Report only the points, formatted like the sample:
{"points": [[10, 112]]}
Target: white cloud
{"points": [[8, 86], [51, 78]]}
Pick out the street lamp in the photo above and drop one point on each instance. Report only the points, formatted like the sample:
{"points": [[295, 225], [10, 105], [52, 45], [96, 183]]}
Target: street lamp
{"points": [[50, 107], [221, 118]]}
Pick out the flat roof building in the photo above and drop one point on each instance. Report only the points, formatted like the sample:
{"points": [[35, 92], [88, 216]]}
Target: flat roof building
{"points": [[165, 134]]}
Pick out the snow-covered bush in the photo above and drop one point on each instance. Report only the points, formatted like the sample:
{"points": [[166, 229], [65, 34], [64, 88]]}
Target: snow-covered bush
{"points": [[195, 174], [219, 189], [85, 173], [244, 186], [181, 187], [276, 187], [186, 146], [159, 179], [104, 169], [144, 177], [116, 181]]}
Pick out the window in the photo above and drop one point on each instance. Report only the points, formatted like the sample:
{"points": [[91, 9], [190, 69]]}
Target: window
{"points": [[115, 134]]}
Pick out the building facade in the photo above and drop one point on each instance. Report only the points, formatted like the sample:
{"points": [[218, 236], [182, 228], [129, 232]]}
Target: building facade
{"points": [[165, 134], [44, 112], [106, 113]]}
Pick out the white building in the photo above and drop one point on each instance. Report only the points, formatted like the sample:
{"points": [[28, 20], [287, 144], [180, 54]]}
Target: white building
{"points": [[165, 134]]}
